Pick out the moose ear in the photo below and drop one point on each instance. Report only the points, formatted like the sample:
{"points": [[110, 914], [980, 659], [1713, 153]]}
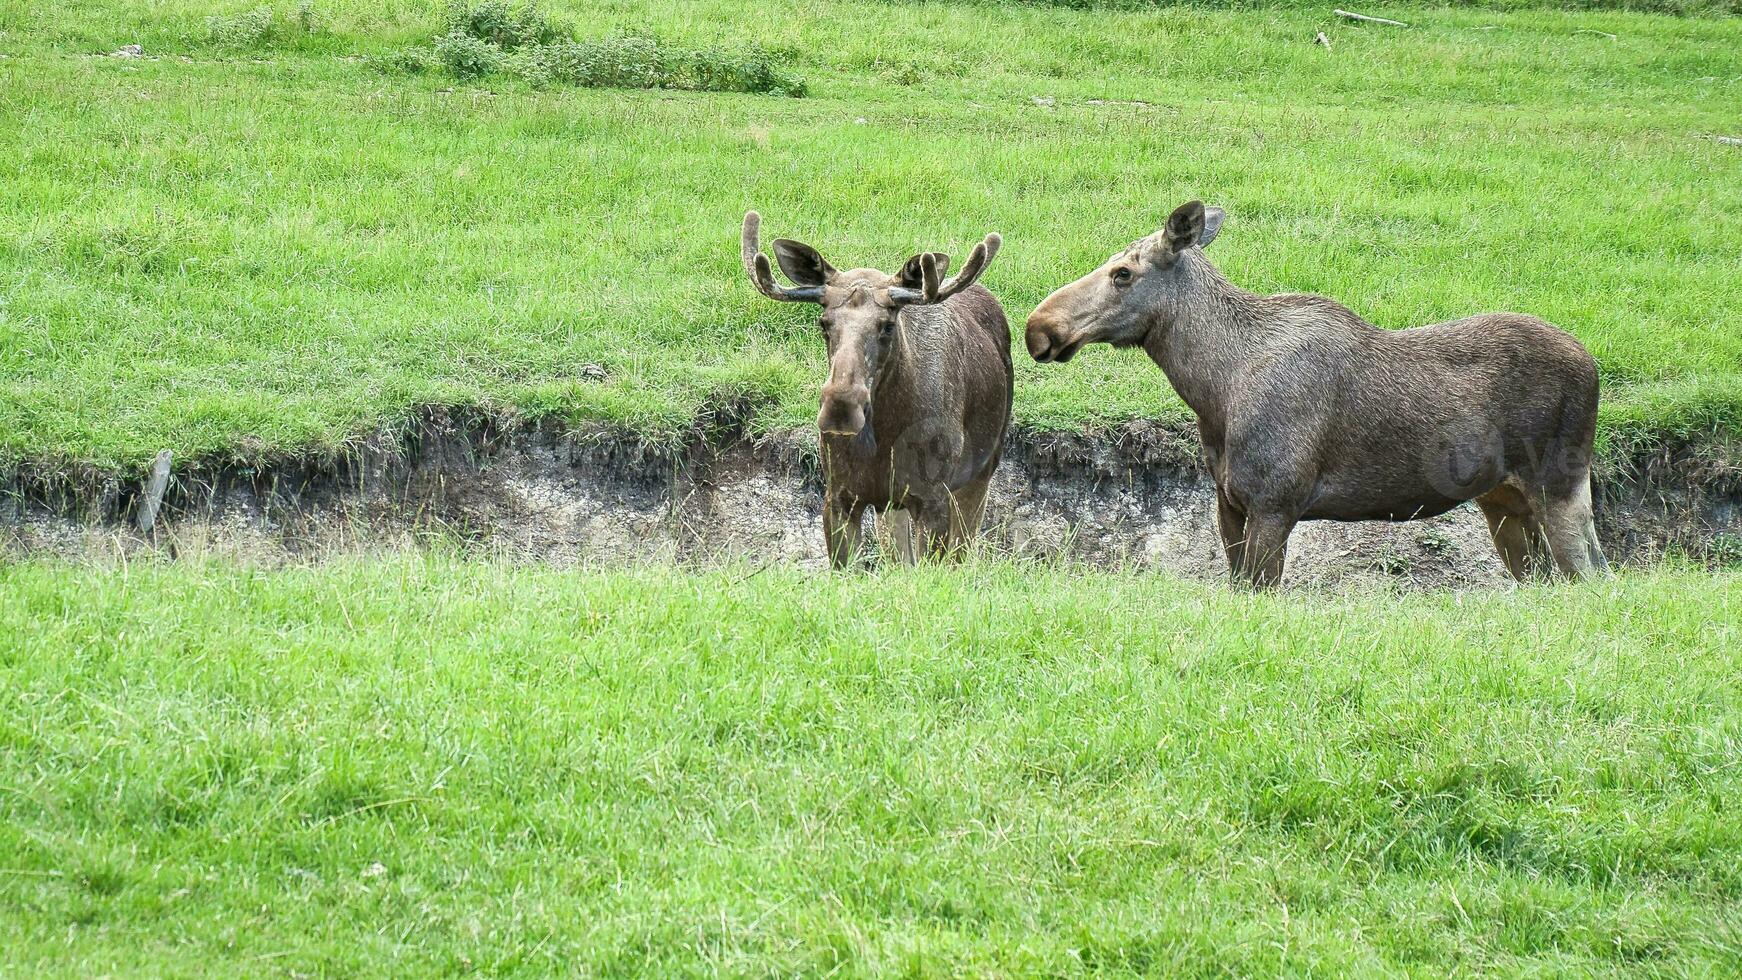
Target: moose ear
{"points": [[1184, 227], [1212, 223], [801, 263], [912, 274]]}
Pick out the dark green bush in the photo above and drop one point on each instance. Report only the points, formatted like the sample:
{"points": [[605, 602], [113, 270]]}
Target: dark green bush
{"points": [[528, 65], [492, 37], [750, 70], [465, 56], [621, 61], [505, 26]]}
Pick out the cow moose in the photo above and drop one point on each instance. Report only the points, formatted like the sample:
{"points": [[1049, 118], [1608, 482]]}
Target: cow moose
{"points": [[919, 389], [1308, 412]]}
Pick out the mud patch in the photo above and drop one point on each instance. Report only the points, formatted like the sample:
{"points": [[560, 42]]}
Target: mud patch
{"points": [[1132, 496]]}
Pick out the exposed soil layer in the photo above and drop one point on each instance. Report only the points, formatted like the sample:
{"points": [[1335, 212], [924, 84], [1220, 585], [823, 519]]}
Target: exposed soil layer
{"points": [[1135, 495]]}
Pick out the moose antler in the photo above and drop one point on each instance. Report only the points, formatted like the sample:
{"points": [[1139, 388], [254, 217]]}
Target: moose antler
{"points": [[934, 264], [762, 273], [931, 269], [978, 260]]}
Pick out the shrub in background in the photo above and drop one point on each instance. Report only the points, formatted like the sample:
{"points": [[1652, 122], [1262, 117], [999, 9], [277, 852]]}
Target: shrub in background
{"points": [[482, 39], [749, 70], [619, 61], [262, 26], [528, 65], [465, 56], [500, 24]]}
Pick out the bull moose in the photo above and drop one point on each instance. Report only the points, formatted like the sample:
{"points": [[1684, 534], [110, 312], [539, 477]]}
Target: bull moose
{"points": [[1308, 412], [918, 394]]}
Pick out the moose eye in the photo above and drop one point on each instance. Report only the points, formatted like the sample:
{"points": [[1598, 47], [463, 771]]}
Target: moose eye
{"points": [[1122, 276]]}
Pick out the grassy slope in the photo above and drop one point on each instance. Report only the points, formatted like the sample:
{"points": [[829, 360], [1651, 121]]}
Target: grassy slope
{"points": [[285, 246], [403, 768]]}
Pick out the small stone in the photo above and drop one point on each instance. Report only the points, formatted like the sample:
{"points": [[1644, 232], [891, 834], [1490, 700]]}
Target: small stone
{"points": [[129, 51], [1043, 100], [375, 870]]}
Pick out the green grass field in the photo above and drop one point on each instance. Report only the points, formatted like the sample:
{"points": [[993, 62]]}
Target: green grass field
{"points": [[422, 764], [282, 246], [425, 766]]}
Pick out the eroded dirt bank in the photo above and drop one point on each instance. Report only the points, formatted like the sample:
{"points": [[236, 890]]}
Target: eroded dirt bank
{"points": [[1133, 495]]}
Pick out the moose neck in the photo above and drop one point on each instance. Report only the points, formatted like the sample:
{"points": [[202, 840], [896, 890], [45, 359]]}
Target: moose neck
{"points": [[1214, 330]]}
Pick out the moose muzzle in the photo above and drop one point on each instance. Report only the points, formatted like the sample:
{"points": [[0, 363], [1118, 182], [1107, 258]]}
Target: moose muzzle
{"points": [[1047, 337], [843, 411]]}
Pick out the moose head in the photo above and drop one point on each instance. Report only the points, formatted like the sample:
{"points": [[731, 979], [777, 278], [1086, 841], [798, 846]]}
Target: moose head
{"points": [[861, 312], [1132, 293]]}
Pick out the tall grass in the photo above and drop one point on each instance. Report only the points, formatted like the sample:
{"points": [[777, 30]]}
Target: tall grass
{"points": [[419, 766]]}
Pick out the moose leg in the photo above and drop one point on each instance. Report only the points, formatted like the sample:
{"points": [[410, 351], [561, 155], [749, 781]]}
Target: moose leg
{"points": [[1572, 533], [843, 529], [898, 528], [1516, 528], [967, 509], [1508, 531], [932, 523], [1516, 532], [1231, 522], [1266, 549]]}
